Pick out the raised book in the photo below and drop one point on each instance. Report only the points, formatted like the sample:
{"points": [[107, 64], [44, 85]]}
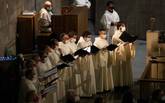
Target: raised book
{"points": [[67, 58], [81, 52], [112, 47], [62, 65], [94, 49], [126, 37]]}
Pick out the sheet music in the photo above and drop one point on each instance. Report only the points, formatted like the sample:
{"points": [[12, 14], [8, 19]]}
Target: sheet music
{"points": [[88, 49]]}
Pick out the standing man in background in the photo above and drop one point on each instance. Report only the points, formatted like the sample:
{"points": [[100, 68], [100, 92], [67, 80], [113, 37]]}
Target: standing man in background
{"points": [[109, 20], [82, 3], [45, 17]]}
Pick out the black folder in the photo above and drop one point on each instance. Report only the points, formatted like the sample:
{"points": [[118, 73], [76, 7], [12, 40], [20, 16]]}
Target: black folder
{"points": [[51, 82], [81, 52], [67, 58], [112, 47], [94, 49], [62, 66], [126, 37]]}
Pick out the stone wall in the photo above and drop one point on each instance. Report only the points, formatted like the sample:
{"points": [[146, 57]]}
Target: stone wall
{"points": [[9, 10]]}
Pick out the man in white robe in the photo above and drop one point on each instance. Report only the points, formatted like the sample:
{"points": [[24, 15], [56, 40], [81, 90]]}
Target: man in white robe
{"points": [[122, 69], [45, 17], [82, 3], [109, 20], [104, 79], [86, 67]]}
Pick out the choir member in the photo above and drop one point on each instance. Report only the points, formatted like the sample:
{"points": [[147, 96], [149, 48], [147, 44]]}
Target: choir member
{"points": [[104, 79], [122, 70], [86, 67]]}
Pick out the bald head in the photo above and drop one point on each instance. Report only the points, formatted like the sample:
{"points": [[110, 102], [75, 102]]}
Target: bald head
{"points": [[48, 5]]}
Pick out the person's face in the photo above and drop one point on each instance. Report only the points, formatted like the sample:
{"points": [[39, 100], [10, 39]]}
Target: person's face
{"points": [[122, 28], [66, 39], [44, 57], [37, 58], [31, 76], [49, 7], [102, 34], [87, 38], [110, 8]]}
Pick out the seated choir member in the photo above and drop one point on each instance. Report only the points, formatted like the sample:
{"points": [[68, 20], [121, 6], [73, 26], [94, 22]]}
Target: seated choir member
{"points": [[104, 79], [82, 3], [86, 67], [45, 17], [122, 70], [28, 92]]}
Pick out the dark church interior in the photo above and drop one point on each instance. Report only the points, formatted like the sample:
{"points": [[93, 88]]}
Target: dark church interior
{"points": [[82, 51]]}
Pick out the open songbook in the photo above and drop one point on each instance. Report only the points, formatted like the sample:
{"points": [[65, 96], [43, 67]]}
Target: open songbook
{"points": [[126, 37], [54, 70], [93, 50], [68, 58], [82, 52], [112, 47]]}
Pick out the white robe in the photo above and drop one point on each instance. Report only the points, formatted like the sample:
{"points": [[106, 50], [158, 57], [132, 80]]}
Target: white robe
{"points": [[65, 75], [42, 68], [122, 70], [82, 3], [106, 21], [86, 71], [26, 87], [53, 57], [45, 20], [104, 79]]}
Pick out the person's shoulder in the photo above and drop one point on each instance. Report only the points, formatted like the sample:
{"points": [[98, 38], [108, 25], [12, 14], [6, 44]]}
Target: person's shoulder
{"points": [[106, 12], [115, 12], [97, 38], [43, 10], [81, 39]]}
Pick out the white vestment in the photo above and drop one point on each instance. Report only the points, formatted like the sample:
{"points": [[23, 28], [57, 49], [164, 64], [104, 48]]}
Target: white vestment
{"points": [[104, 79], [82, 3], [122, 70], [65, 74], [107, 19], [45, 20], [86, 70], [53, 57], [26, 87]]}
